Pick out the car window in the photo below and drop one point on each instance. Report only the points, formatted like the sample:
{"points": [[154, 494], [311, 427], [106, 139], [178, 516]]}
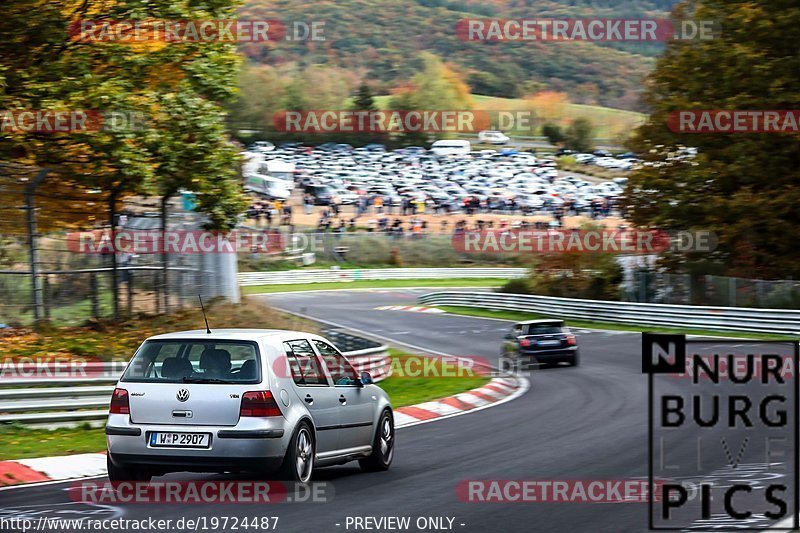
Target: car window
{"points": [[340, 369], [187, 360], [303, 363], [544, 329]]}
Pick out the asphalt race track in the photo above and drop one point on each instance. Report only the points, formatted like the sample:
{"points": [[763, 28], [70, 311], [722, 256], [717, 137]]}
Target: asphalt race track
{"points": [[585, 423]]}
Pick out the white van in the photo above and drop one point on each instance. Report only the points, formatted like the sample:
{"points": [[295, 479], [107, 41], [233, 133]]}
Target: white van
{"points": [[281, 170], [446, 148], [267, 186]]}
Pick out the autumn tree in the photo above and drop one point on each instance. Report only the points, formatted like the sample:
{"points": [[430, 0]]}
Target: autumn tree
{"points": [[553, 133], [579, 135], [261, 92], [48, 67], [745, 187], [363, 100], [436, 87], [550, 106]]}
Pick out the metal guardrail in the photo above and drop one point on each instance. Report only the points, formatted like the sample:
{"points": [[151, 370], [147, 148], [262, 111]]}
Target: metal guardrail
{"points": [[38, 401], [779, 321], [289, 277]]}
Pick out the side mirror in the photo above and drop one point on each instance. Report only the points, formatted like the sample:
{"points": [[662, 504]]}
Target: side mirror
{"points": [[366, 379]]}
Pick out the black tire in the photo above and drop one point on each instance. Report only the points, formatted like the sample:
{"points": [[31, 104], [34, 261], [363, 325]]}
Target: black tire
{"points": [[298, 464], [576, 359], [382, 445], [119, 473]]}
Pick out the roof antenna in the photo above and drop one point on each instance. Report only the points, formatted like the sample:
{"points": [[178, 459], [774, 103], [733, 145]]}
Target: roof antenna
{"points": [[208, 330]]}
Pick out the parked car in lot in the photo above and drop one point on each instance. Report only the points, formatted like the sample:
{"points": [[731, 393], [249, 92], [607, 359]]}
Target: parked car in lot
{"points": [[263, 146], [541, 342], [446, 148], [267, 401], [322, 194], [447, 179], [493, 137]]}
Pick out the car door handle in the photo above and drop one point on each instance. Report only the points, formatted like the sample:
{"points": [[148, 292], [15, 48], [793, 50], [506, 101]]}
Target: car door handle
{"points": [[342, 399], [309, 400]]}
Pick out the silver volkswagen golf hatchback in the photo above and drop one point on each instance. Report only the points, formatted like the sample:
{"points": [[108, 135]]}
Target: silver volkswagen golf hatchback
{"points": [[269, 401]]}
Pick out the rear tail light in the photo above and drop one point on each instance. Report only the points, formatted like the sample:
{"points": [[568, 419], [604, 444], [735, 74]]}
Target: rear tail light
{"points": [[259, 403], [119, 403], [571, 340], [524, 342]]}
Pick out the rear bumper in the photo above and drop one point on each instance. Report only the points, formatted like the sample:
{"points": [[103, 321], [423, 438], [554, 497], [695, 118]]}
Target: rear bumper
{"points": [[252, 445], [190, 463], [560, 355]]}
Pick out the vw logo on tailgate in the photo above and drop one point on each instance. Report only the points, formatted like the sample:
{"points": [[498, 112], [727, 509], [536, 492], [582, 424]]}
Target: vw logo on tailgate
{"points": [[182, 395]]}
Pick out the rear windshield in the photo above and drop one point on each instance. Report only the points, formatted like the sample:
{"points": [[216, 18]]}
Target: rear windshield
{"points": [[543, 329], [188, 361]]}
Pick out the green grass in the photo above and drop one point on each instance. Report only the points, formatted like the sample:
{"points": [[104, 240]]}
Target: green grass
{"points": [[17, 442], [568, 164], [413, 390], [517, 316], [608, 122], [375, 284], [23, 443]]}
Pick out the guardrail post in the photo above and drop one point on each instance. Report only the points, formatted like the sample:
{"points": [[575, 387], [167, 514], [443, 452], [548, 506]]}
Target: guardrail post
{"points": [[93, 290], [129, 301], [46, 298], [157, 290], [30, 209]]}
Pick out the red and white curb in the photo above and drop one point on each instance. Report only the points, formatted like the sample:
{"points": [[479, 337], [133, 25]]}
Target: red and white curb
{"points": [[497, 390], [85, 465], [22, 471], [410, 308]]}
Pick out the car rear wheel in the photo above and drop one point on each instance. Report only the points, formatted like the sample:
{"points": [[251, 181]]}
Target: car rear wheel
{"points": [[382, 445], [299, 461], [576, 359]]}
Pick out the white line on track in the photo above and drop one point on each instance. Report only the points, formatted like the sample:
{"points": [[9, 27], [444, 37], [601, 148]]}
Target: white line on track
{"points": [[524, 384]]}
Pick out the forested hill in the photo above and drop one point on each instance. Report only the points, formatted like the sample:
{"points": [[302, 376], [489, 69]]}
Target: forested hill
{"points": [[380, 40]]}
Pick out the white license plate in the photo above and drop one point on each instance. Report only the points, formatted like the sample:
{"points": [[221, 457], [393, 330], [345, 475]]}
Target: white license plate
{"points": [[164, 439], [549, 343]]}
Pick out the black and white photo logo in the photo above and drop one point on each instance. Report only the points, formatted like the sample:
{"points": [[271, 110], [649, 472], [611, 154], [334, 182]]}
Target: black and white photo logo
{"points": [[663, 354], [723, 433]]}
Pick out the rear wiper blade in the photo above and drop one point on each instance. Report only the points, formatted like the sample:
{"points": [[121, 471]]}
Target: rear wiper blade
{"points": [[190, 379]]}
